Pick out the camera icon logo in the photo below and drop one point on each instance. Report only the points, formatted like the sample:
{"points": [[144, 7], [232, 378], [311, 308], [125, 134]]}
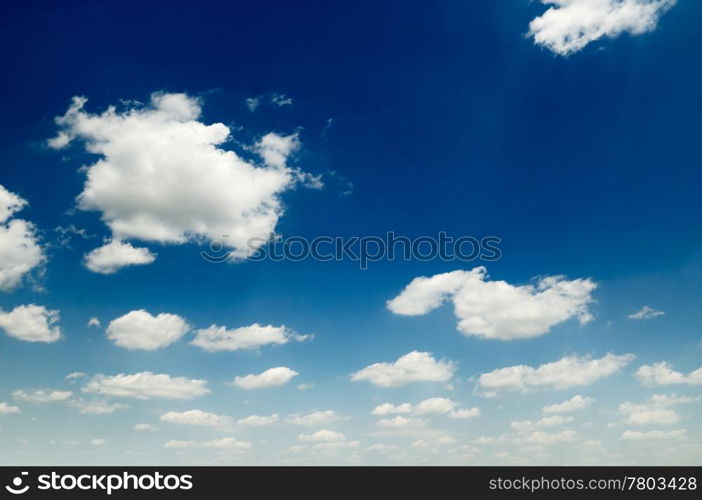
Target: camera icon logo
{"points": [[16, 487]]}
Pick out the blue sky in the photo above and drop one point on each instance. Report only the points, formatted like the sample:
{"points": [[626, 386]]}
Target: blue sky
{"points": [[473, 118]]}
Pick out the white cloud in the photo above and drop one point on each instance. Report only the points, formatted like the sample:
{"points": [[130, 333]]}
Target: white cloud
{"points": [[662, 374], [164, 177], [146, 385], [97, 406], [75, 376], [644, 415], [273, 377], [313, 419], [654, 435], [41, 396], [140, 330], [412, 367], [656, 411], [569, 25], [323, 435], [94, 323], [435, 406], [7, 409], [218, 338], [465, 413], [400, 421], [19, 244], [275, 149], [646, 313], [497, 309], [431, 406], [573, 404], [224, 444], [143, 426], [195, 417], [390, 409], [97, 442], [569, 371], [259, 420], [31, 323], [116, 254]]}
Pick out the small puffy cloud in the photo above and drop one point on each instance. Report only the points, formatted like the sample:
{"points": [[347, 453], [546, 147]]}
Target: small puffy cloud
{"points": [[323, 435], [75, 376], [223, 444], [573, 404], [94, 323], [435, 406], [19, 244], [97, 442], [96, 406], [163, 175], [412, 367], [497, 309], [195, 417], [218, 338], [273, 377], [275, 149], [645, 415], [662, 374], [313, 419], [146, 385], [401, 422], [654, 435], [113, 256], [7, 409], [656, 411], [41, 396], [569, 371], [465, 413], [31, 323], [259, 420], [143, 427], [390, 409], [569, 25], [140, 330], [646, 313]]}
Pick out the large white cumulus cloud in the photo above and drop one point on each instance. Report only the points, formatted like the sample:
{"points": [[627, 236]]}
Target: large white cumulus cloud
{"points": [[162, 175], [497, 309]]}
